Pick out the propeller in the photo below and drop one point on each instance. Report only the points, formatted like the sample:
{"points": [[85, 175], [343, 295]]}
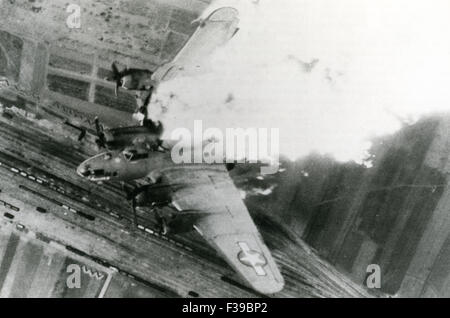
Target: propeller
{"points": [[116, 77], [82, 130], [131, 195], [101, 141], [145, 97]]}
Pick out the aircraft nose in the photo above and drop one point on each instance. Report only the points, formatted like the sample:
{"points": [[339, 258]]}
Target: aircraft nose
{"points": [[83, 170]]}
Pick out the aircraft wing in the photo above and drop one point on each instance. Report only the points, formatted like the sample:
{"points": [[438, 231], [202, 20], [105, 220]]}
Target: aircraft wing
{"points": [[214, 31], [226, 223]]}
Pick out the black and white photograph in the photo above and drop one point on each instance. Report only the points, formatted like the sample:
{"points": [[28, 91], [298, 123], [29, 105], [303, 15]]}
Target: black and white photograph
{"points": [[243, 150]]}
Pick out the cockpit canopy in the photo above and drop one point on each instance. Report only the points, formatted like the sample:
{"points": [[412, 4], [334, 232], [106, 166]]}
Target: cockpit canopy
{"points": [[133, 155]]}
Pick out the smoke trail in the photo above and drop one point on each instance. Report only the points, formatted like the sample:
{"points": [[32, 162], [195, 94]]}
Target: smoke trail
{"points": [[329, 74]]}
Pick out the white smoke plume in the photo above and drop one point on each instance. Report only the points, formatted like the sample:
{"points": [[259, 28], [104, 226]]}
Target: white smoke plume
{"points": [[329, 74]]}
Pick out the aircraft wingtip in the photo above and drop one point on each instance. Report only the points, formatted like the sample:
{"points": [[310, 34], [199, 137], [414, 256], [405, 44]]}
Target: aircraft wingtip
{"points": [[271, 288]]}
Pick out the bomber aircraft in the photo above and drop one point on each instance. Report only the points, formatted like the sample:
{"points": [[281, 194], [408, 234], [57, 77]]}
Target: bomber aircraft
{"points": [[202, 197]]}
